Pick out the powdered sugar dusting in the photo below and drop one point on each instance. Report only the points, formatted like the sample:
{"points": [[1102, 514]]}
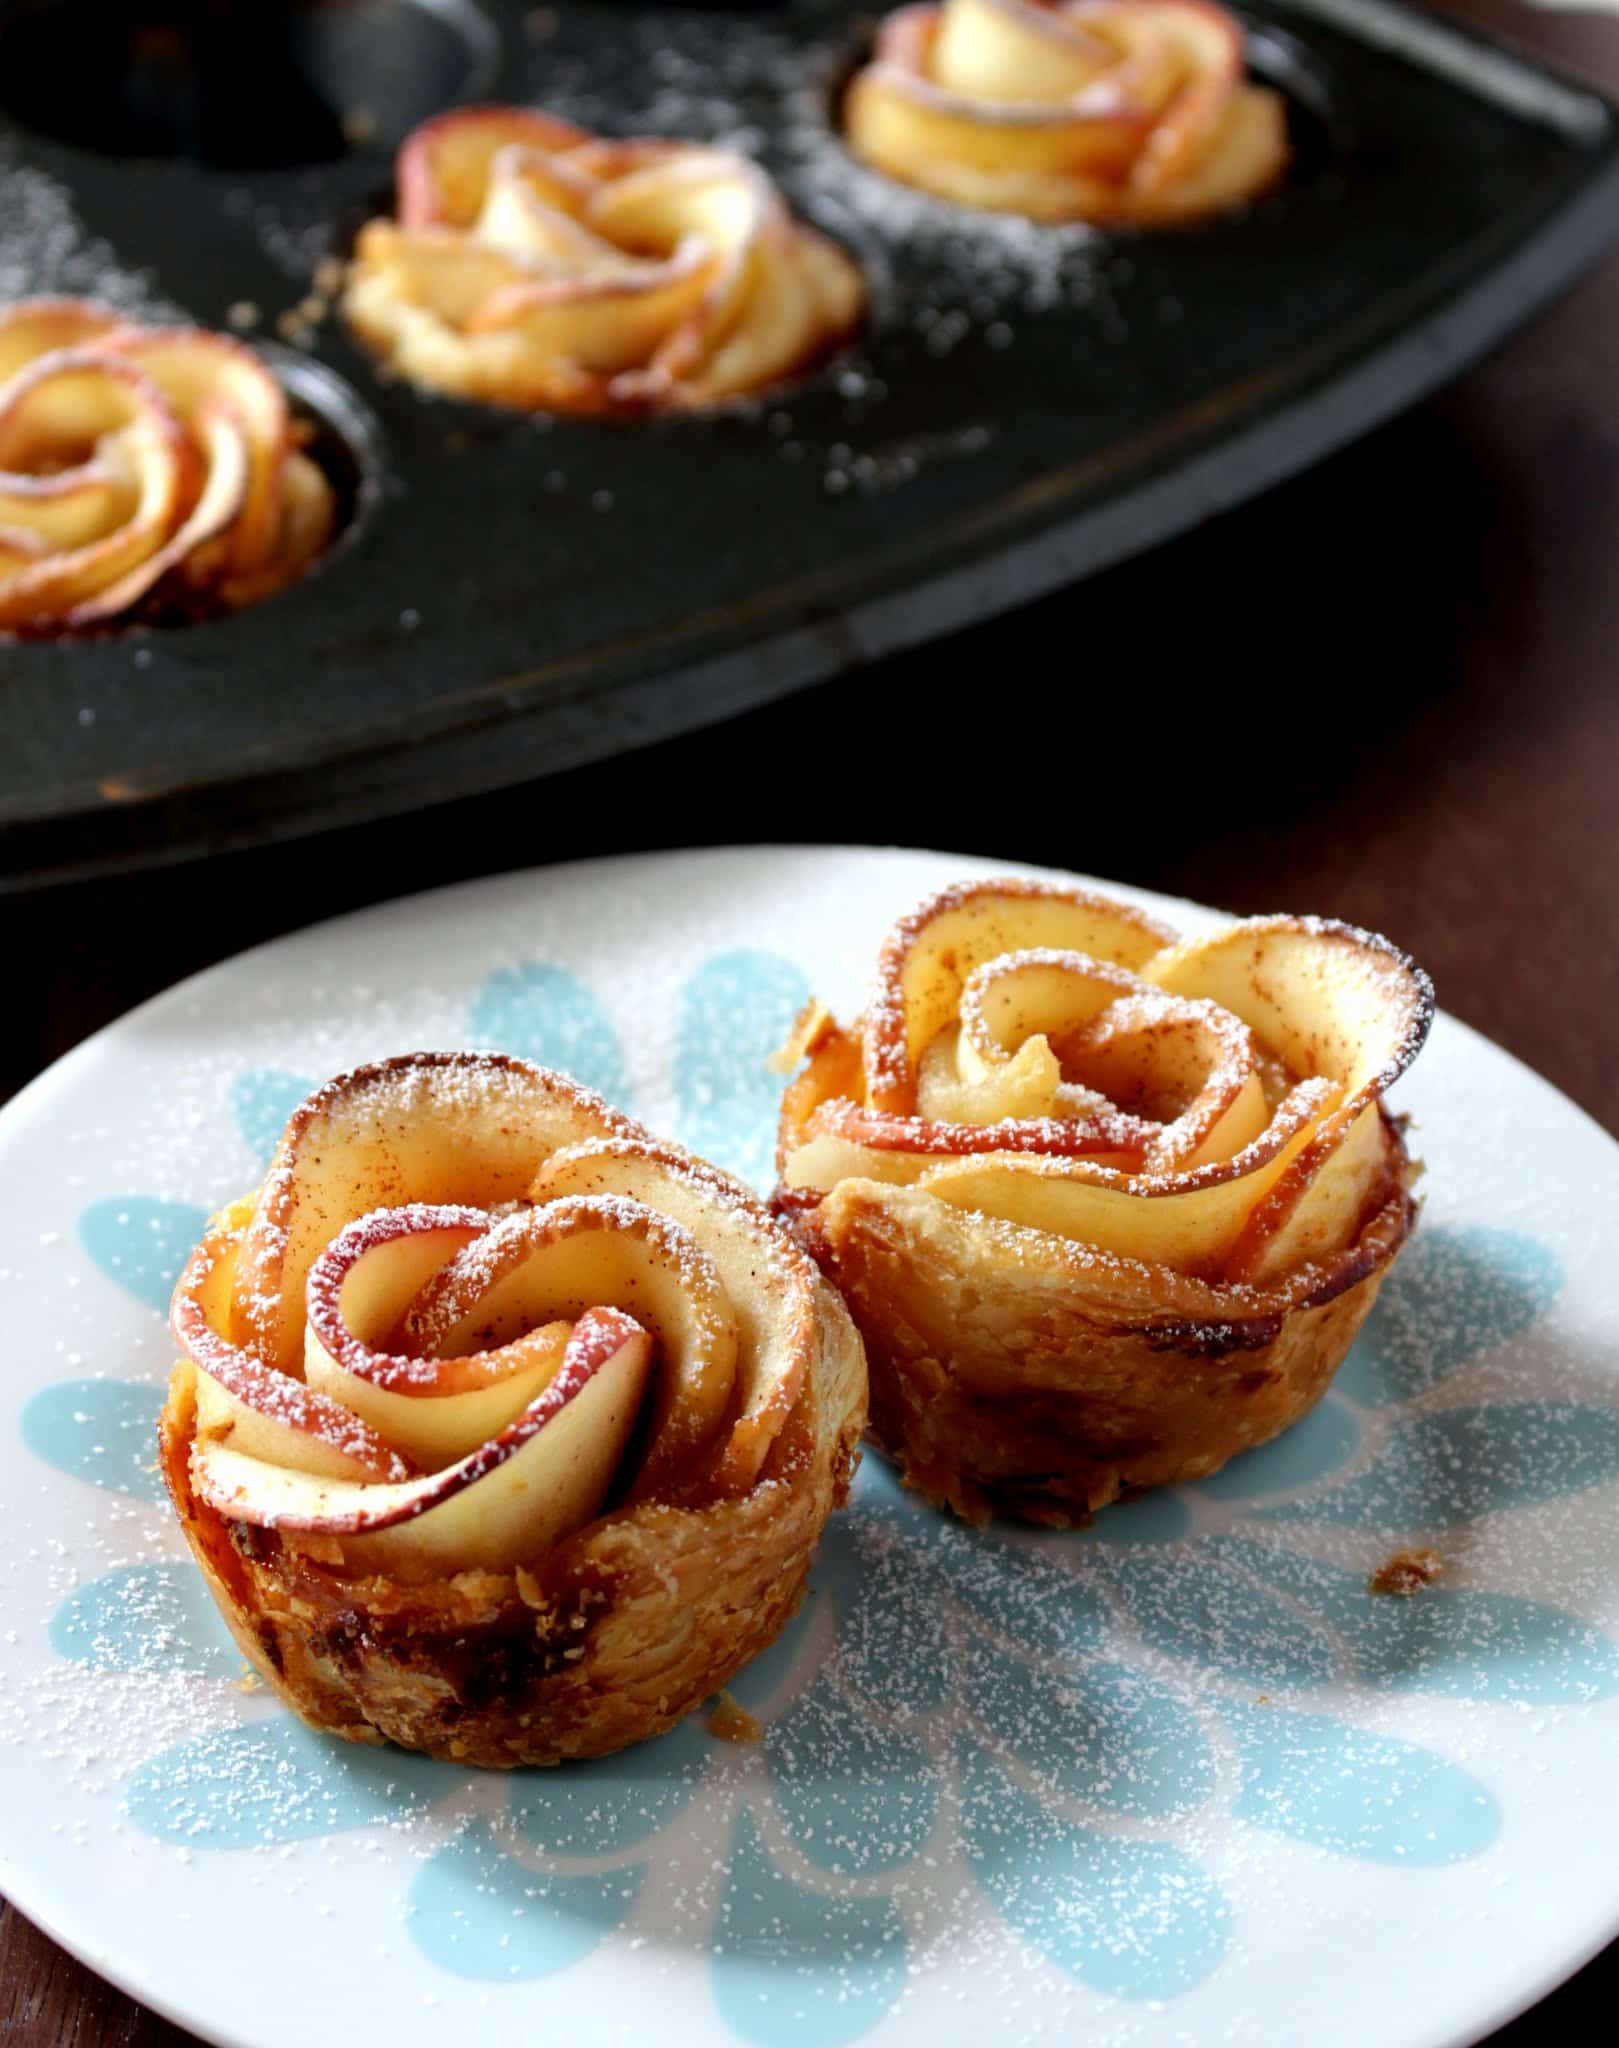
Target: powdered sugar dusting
{"points": [[45, 249], [960, 1723]]}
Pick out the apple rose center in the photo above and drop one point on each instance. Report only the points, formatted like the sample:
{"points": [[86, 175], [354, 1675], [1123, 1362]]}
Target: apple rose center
{"points": [[1060, 1033]]}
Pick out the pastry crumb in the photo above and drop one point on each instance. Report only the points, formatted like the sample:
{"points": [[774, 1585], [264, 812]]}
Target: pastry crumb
{"points": [[733, 1723], [810, 1028], [1406, 1572], [249, 1681]]}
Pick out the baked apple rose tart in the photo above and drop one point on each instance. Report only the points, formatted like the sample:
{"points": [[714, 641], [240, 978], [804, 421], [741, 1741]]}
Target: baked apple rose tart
{"points": [[501, 1430], [1107, 1208], [1101, 110], [139, 461], [537, 266]]}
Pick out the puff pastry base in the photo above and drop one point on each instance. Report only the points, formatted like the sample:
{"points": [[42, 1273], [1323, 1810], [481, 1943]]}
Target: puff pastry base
{"points": [[611, 1639], [1015, 1391]]}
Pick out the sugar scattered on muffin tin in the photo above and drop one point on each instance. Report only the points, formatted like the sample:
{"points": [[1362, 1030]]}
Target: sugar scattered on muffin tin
{"points": [[747, 86], [966, 277], [45, 248]]}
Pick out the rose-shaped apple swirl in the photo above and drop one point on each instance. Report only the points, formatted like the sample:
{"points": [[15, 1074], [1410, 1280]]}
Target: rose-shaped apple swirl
{"points": [[133, 457], [501, 1430], [1107, 1208], [538, 267], [1100, 110]]}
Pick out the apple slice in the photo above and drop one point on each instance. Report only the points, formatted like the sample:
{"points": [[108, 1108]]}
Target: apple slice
{"points": [[506, 1504], [1244, 157], [1183, 1060], [1107, 1137], [361, 1293], [927, 959], [605, 321], [955, 1085], [1325, 997], [780, 302], [1328, 999], [255, 1410], [1188, 1220], [210, 379], [446, 1128], [908, 121], [535, 210], [70, 509], [443, 167], [1007, 50], [1019, 1014], [1107, 110], [60, 405], [1034, 993], [19, 550], [568, 1255], [1318, 1203], [225, 492], [30, 328], [439, 274], [769, 1310]]}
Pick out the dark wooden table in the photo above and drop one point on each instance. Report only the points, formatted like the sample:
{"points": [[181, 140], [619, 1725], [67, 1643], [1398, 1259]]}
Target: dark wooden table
{"points": [[1389, 691]]}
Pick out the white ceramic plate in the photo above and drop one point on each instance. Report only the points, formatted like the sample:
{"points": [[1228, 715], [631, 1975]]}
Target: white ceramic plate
{"points": [[1179, 1779]]}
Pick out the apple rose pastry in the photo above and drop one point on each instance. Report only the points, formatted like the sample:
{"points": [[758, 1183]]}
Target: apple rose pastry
{"points": [[143, 463], [1106, 1208], [536, 266], [1100, 110], [501, 1430]]}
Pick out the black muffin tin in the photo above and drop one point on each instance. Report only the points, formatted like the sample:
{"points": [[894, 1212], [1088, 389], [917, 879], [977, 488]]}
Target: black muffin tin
{"points": [[513, 596]]}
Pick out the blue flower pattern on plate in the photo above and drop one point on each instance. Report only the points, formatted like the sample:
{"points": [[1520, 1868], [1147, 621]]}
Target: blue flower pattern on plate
{"points": [[261, 1100], [974, 1688]]}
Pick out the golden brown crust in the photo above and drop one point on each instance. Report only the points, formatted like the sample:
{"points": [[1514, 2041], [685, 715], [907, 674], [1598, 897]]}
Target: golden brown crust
{"points": [[1018, 1389], [624, 1625], [1067, 1297]]}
